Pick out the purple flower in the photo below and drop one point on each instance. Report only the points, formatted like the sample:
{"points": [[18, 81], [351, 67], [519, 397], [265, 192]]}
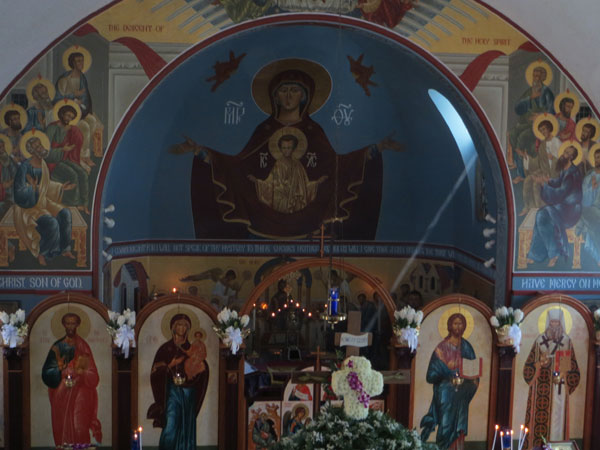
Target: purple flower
{"points": [[356, 385]]}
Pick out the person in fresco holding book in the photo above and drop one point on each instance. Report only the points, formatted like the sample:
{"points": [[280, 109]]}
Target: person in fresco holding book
{"points": [[452, 392]]}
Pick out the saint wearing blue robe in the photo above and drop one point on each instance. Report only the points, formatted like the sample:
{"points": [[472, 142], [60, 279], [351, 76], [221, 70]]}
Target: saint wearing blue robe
{"points": [[449, 409], [176, 406], [43, 224], [562, 196]]}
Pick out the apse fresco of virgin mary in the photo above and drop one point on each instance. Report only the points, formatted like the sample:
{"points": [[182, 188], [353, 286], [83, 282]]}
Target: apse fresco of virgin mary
{"points": [[288, 179]]}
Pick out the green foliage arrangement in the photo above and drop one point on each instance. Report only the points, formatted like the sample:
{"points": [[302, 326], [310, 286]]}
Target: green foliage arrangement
{"points": [[334, 430]]}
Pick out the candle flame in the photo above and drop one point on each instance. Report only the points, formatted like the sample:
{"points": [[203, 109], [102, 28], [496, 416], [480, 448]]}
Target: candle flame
{"points": [[501, 433], [140, 429], [497, 427], [522, 427], [526, 430]]}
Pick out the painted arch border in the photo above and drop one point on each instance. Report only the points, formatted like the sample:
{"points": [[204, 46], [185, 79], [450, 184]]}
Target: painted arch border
{"points": [[499, 168], [591, 381]]}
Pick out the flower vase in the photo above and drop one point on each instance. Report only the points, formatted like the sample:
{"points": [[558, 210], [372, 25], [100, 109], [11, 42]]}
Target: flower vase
{"points": [[503, 338]]}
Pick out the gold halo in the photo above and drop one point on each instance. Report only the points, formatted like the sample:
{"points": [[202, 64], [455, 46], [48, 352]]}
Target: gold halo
{"points": [[262, 79], [18, 108], [300, 406], [68, 102], [56, 325], [443, 322], [591, 152], [585, 121], [87, 57], [165, 324], [575, 144], [539, 119], [298, 134], [8, 147], [33, 133], [567, 94], [567, 314], [34, 82], [533, 65]]}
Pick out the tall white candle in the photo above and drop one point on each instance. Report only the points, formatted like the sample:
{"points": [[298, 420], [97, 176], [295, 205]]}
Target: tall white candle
{"points": [[140, 432], [495, 434]]}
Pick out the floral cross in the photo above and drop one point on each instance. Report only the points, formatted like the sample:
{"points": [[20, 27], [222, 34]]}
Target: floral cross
{"points": [[357, 383]]}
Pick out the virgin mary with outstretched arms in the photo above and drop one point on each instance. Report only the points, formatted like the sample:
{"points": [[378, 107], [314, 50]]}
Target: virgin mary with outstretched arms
{"points": [[224, 198]]}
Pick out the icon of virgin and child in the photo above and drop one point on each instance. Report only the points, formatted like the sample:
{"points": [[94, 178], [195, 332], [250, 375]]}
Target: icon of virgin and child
{"points": [[179, 379], [288, 180]]}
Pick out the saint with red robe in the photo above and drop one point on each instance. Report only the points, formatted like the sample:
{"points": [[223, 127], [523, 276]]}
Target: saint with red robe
{"points": [[72, 378]]}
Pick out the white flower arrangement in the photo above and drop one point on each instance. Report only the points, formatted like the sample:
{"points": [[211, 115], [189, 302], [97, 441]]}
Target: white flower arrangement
{"points": [[14, 329], [332, 429], [121, 329], [357, 383], [407, 322], [232, 328], [506, 321]]}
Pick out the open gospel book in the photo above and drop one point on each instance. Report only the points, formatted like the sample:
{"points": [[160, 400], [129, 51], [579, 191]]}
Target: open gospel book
{"points": [[471, 369]]}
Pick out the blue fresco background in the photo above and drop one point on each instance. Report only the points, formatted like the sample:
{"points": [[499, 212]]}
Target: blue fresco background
{"points": [[151, 188]]}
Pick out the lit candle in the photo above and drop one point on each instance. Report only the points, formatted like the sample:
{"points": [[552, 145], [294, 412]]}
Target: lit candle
{"points": [[140, 431], [135, 443], [511, 439], [495, 434], [502, 439], [521, 435], [523, 439]]}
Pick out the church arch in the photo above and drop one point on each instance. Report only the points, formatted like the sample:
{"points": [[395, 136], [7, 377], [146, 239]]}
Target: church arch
{"points": [[276, 275]]}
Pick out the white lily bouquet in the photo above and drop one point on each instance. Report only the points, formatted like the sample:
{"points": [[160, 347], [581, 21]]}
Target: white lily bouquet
{"points": [[506, 322], [357, 383], [407, 323], [14, 329], [231, 328], [121, 329]]}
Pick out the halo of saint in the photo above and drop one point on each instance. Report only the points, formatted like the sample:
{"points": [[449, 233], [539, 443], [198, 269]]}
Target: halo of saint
{"points": [[165, 324], [87, 57], [543, 319], [30, 134], [443, 322], [8, 147], [591, 154], [73, 104], [539, 63], [539, 119], [585, 121], [300, 406], [262, 79], [13, 107], [288, 131], [571, 143], [34, 82], [58, 330], [570, 95]]}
